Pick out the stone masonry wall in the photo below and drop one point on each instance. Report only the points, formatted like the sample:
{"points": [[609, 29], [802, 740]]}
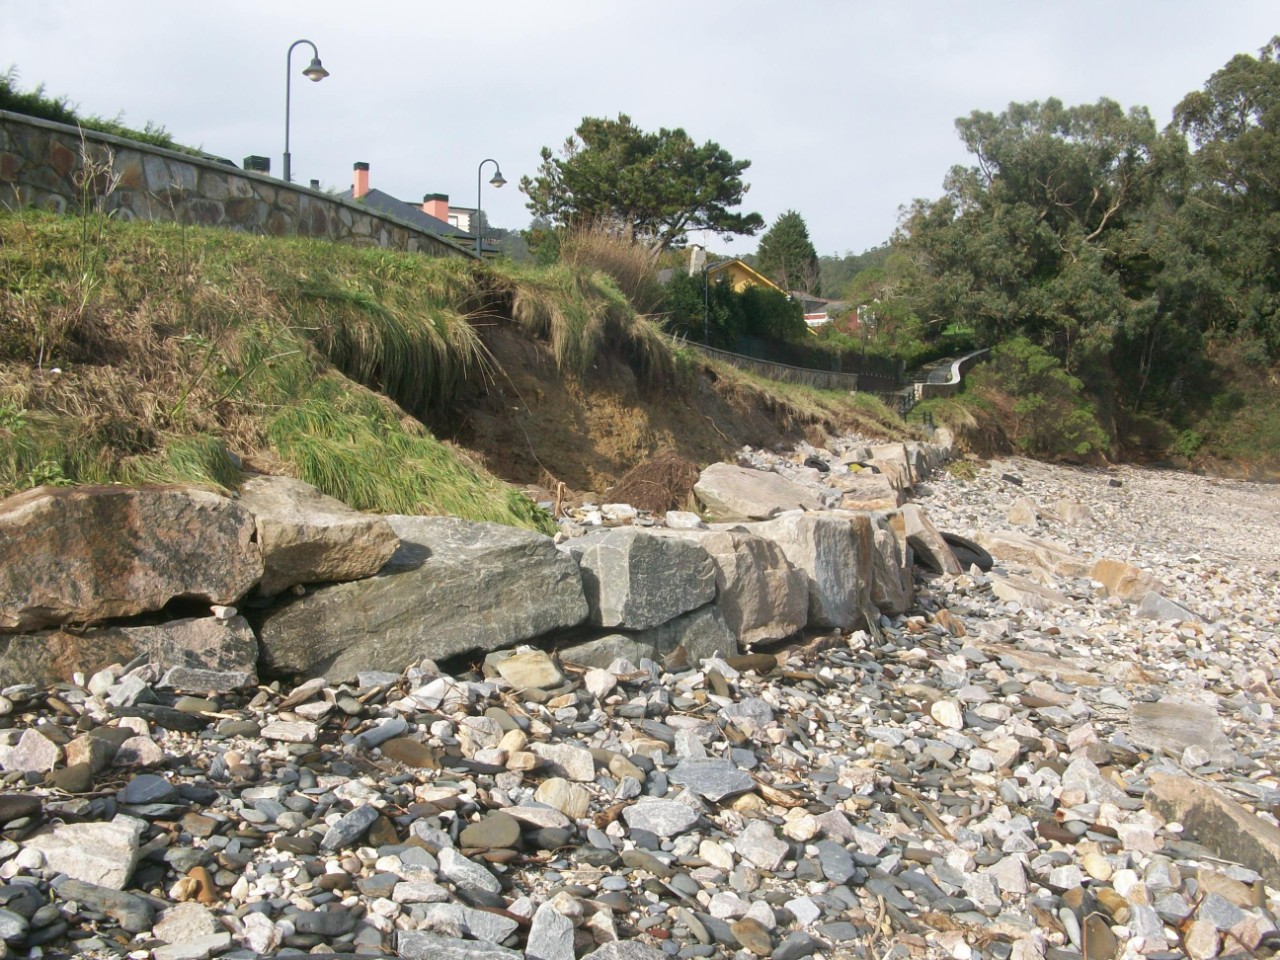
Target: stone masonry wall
{"points": [[42, 164]]}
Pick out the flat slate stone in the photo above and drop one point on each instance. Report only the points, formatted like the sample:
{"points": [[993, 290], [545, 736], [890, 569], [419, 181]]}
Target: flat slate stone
{"points": [[148, 788], [1174, 725], [711, 777], [663, 818], [350, 828], [424, 945], [837, 862], [1217, 822]]}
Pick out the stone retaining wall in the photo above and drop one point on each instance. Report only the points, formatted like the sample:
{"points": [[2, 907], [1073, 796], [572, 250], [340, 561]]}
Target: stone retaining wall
{"points": [[385, 592], [42, 164]]}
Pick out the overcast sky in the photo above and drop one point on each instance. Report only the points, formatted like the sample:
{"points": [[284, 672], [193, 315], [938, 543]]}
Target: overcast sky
{"points": [[845, 109]]}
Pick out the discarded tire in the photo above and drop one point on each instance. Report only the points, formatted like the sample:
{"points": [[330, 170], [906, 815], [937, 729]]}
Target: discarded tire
{"points": [[968, 553], [817, 463]]}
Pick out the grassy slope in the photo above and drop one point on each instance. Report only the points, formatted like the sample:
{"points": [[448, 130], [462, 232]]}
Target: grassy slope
{"points": [[137, 352]]}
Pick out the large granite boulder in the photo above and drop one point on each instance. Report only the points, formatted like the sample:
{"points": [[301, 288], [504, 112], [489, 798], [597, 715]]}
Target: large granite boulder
{"points": [[1123, 580], [834, 550], [1028, 594], [891, 460], [1013, 547], [761, 594], [701, 634], [924, 538], [727, 492], [308, 537], [635, 581], [76, 554], [891, 579], [202, 653], [868, 490], [453, 586]]}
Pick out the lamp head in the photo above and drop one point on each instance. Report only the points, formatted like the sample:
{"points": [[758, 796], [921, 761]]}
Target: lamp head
{"points": [[316, 72], [497, 180]]}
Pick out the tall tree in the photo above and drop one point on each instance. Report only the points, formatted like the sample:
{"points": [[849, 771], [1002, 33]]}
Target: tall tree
{"points": [[1033, 239], [658, 185], [1233, 217], [787, 257]]}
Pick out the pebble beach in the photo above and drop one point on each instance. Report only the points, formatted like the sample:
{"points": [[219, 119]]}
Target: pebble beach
{"points": [[1001, 772]]}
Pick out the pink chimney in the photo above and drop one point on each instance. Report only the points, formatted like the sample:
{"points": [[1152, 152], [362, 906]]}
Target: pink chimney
{"points": [[360, 181], [436, 205]]}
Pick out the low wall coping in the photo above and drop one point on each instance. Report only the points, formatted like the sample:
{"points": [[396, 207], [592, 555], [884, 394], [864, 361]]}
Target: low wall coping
{"points": [[203, 161]]}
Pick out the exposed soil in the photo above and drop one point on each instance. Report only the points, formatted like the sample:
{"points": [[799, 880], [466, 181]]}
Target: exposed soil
{"points": [[536, 427]]}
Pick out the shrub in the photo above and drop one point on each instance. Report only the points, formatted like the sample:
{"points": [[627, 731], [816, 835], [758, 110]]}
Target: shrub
{"points": [[1042, 407]]}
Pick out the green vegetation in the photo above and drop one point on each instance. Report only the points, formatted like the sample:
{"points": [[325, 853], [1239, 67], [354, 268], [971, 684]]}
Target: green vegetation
{"points": [[148, 352], [1145, 261], [34, 103], [836, 272], [1041, 407], [183, 345], [693, 305], [657, 186], [786, 255]]}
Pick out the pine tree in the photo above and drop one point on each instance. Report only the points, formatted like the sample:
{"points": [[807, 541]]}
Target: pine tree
{"points": [[787, 257]]}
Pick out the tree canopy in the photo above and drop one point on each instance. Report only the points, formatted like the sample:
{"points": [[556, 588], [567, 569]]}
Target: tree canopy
{"points": [[787, 257], [658, 185], [1137, 257]]}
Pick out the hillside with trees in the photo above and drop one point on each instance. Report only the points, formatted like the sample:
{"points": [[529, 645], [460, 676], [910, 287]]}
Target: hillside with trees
{"points": [[1144, 263]]}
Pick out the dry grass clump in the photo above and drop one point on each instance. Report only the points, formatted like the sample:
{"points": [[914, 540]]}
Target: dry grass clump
{"points": [[581, 313], [613, 250], [661, 483]]}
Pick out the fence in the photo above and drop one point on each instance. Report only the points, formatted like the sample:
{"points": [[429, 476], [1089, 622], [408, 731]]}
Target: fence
{"points": [[43, 164], [813, 358], [818, 379]]}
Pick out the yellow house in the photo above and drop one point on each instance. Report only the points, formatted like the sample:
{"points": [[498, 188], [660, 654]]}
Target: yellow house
{"points": [[739, 276]]}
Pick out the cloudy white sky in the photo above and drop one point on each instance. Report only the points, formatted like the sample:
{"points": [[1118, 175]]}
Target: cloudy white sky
{"points": [[845, 109]]}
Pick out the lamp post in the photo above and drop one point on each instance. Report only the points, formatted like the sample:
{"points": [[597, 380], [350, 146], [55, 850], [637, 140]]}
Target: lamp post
{"points": [[315, 73], [706, 306], [497, 181]]}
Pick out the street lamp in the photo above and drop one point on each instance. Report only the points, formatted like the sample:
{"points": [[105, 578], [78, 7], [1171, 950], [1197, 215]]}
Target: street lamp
{"points": [[497, 181], [315, 73]]}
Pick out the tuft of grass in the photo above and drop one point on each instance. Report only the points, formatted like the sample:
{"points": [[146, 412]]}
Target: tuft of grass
{"points": [[964, 469], [354, 447], [580, 313], [202, 458], [613, 250]]}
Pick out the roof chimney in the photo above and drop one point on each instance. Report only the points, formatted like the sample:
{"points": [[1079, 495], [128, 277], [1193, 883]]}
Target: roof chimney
{"points": [[360, 181], [697, 259], [436, 205]]}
